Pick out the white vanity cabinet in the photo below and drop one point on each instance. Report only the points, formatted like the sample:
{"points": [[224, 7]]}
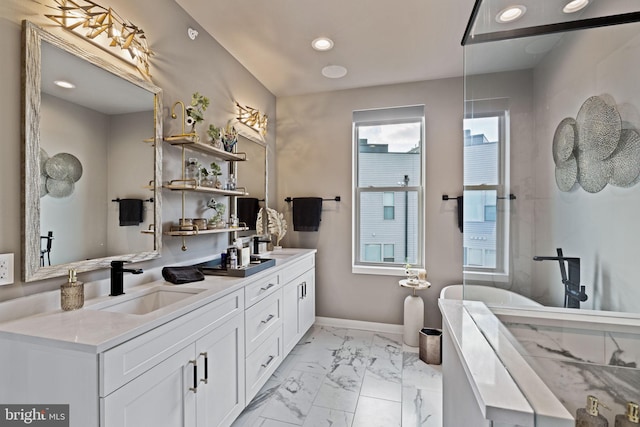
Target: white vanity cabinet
{"points": [[263, 332], [299, 301], [200, 384]]}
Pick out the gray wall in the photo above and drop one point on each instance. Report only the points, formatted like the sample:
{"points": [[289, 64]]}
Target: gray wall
{"points": [[180, 67], [314, 159], [599, 228]]}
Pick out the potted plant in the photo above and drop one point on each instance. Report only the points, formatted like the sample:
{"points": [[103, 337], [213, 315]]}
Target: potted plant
{"points": [[229, 137], [195, 111], [214, 133], [216, 221]]}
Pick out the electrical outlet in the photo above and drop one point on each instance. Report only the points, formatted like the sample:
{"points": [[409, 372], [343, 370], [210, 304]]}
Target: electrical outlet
{"points": [[6, 269]]}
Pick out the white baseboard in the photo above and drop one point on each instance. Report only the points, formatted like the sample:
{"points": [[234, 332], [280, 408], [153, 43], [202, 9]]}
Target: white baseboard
{"points": [[358, 324]]}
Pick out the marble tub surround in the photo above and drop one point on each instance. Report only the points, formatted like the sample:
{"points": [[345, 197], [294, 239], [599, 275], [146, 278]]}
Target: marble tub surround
{"points": [[575, 362], [344, 377], [555, 356]]}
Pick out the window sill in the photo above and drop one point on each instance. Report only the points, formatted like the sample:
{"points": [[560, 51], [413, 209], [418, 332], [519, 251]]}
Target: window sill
{"points": [[379, 271], [477, 276]]}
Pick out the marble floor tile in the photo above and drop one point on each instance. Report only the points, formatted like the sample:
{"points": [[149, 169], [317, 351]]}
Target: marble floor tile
{"points": [[324, 417], [383, 380], [337, 377], [292, 401], [373, 412], [333, 396], [421, 408]]}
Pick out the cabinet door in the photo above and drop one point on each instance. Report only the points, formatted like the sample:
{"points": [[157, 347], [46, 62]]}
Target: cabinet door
{"points": [[307, 302], [161, 397], [220, 353], [290, 332]]}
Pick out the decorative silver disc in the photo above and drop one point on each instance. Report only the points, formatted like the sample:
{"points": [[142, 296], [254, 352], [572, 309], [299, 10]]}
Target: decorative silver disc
{"points": [[64, 166], [566, 174], [593, 173], [60, 188], [599, 126], [564, 140], [625, 160]]}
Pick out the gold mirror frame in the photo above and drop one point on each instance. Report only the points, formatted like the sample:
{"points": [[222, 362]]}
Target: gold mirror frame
{"points": [[33, 36]]}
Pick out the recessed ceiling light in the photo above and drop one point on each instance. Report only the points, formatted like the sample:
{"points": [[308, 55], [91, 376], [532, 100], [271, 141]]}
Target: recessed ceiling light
{"points": [[334, 71], [322, 43], [575, 5], [64, 84], [510, 14]]}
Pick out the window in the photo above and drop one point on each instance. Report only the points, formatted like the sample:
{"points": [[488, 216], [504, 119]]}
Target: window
{"points": [[486, 186], [388, 173], [389, 206]]}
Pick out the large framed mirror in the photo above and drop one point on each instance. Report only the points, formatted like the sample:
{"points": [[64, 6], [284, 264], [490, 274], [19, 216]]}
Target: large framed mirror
{"points": [[252, 176], [91, 160]]}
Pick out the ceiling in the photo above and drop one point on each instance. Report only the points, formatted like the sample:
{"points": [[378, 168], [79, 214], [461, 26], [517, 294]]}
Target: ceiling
{"points": [[378, 41]]}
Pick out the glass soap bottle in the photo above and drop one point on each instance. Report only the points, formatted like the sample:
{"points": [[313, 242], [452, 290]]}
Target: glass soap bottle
{"points": [[631, 418], [589, 416], [72, 293]]}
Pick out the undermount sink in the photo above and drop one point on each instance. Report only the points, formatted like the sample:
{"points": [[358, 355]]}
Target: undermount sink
{"points": [[146, 301]]}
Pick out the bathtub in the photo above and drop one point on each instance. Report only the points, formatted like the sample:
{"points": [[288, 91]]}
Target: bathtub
{"points": [[487, 294]]}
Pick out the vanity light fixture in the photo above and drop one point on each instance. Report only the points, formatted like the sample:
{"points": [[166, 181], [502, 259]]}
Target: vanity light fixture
{"points": [[322, 44], [510, 14], [64, 84], [575, 5], [78, 15], [334, 71], [253, 118]]}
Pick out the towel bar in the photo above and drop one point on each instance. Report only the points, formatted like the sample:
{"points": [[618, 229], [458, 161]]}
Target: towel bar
{"points": [[334, 199]]}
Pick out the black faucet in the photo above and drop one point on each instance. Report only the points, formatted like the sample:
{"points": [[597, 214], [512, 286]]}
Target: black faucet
{"points": [[256, 243], [117, 273], [573, 292]]}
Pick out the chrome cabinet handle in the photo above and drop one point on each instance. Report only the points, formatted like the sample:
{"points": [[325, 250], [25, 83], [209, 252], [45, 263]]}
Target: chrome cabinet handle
{"points": [[195, 376], [268, 319], [206, 367], [269, 286], [268, 362]]}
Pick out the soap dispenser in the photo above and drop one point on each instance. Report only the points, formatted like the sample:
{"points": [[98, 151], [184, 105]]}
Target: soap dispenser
{"points": [[630, 418], [72, 293], [589, 416]]}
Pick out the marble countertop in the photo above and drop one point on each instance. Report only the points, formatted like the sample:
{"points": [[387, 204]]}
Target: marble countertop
{"points": [[95, 331]]}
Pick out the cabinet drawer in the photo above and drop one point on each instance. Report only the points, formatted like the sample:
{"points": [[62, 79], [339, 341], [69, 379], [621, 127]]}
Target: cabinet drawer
{"points": [[125, 362], [262, 363], [261, 319], [297, 268], [260, 289]]}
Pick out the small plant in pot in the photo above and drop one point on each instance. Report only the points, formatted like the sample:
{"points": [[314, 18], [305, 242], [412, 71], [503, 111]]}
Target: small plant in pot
{"points": [[229, 137], [214, 133], [195, 111], [217, 220]]}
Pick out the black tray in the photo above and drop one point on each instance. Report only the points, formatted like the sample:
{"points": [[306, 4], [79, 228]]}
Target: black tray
{"points": [[213, 268]]}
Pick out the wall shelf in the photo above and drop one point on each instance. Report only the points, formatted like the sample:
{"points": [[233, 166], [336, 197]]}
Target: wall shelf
{"points": [[187, 142], [200, 189], [199, 232]]}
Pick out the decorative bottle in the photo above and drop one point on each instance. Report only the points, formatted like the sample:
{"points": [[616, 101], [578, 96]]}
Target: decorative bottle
{"points": [[630, 418], [192, 171], [589, 416], [72, 293]]}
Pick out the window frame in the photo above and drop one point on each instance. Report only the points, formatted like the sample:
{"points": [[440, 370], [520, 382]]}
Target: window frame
{"points": [[387, 116], [502, 217]]}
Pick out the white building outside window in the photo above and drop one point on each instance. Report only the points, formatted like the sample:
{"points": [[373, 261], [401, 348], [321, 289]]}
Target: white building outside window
{"points": [[486, 198], [388, 180]]}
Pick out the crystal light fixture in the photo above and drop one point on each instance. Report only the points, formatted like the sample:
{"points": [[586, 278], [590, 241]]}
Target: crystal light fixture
{"points": [[77, 15], [253, 118]]}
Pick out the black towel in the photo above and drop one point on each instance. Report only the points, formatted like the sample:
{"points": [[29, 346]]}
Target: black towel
{"points": [[130, 211], [306, 213], [248, 208]]}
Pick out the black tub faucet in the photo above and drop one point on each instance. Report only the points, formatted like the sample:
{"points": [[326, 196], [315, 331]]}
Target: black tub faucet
{"points": [[117, 273], [573, 292]]}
